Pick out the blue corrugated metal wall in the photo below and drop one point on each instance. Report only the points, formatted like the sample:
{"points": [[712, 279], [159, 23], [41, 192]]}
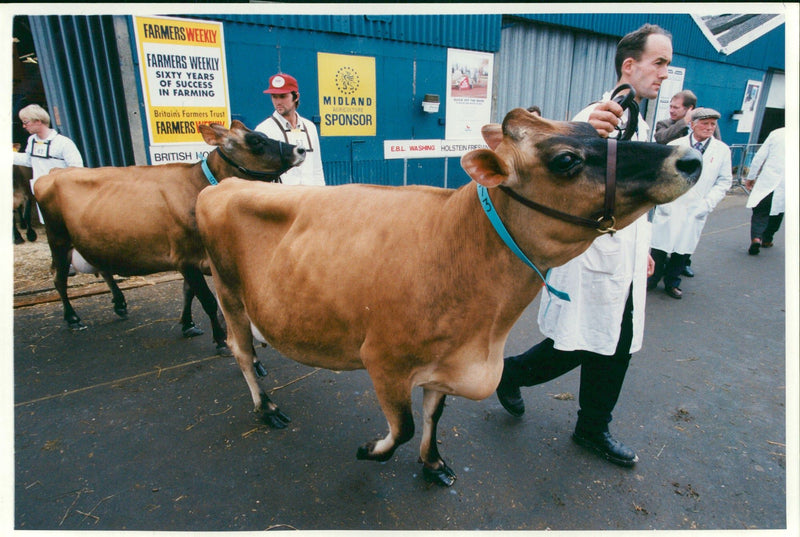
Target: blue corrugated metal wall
{"points": [[406, 69], [719, 81], [83, 85], [80, 66], [687, 38]]}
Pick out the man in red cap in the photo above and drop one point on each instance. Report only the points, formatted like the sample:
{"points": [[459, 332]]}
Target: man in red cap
{"points": [[286, 125]]}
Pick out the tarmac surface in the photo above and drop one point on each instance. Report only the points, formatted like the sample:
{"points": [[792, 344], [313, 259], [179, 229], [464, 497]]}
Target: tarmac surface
{"points": [[128, 426]]}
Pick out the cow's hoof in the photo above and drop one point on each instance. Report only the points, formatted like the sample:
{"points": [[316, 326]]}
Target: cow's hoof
{"points": [[76, 326], [442, 475], [367, 453], [19, 240], [121, 312], [31, 235], [276, 419], [190, 330], [223, 349], [261, 371]]}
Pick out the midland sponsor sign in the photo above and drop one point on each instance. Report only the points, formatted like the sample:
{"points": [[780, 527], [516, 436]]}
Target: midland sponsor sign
{"points": [[346, 95], [182, 67]]}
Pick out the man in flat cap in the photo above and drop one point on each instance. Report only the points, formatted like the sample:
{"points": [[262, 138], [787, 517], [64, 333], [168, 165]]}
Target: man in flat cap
{"points": [[286, 125], [677, 225]]}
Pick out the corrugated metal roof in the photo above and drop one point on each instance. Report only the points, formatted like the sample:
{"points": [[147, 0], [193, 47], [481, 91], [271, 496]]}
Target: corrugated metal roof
{"points": [[470, 32], [729, 33]]}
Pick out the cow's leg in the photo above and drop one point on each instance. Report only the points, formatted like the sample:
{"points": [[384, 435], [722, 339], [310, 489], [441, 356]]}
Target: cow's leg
{"points": [[120, 306], [197, 282], [27, 220], [434, 468], [240, 340], [395, 400], [61, 258], [188, 328], [17, 236]]}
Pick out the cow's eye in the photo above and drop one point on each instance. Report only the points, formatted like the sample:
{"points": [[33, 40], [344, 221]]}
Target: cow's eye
{"points": [[564, 162], [255, 142]]}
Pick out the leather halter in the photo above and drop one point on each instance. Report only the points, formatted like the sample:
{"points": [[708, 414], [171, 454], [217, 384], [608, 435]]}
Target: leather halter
{"points": [[604, 224], [264, 176]]}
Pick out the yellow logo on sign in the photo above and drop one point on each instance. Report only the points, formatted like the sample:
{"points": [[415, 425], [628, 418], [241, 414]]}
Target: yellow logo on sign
{"points": [[346, 95]]}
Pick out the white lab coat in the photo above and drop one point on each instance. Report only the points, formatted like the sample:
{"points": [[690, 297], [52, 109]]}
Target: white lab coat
{"points": [[769, 168], [54, 151], [597, 282], [310, 171], [677, 225], [45, 154]]}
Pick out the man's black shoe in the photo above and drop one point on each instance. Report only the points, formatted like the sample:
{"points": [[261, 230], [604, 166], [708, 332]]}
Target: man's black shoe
{"points": [[674, 292], [688, 272], [603, 444], [511, 399]]}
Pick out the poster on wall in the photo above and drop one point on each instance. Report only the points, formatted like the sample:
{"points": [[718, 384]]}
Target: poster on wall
{"points": [[346, 95], [469, 93], [669, 87], [183, 76], [751, 95]]}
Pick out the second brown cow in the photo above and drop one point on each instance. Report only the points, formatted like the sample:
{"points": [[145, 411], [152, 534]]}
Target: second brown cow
{"points": [[414, 284], [141, 219]]}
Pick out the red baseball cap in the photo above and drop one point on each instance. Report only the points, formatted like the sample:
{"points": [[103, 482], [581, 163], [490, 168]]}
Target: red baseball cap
{"points": [[282, 83]]}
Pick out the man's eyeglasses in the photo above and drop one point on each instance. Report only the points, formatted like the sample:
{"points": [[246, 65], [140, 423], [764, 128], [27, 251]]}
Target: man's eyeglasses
{"points": [[26, 122]]}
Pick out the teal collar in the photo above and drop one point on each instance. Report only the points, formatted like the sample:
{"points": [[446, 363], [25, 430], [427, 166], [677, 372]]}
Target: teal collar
{"points": [[500, 228], [207, 172]]}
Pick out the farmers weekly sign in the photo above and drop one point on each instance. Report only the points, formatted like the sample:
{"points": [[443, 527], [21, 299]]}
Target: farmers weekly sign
{"points": [[182, 67], [346, 95]]}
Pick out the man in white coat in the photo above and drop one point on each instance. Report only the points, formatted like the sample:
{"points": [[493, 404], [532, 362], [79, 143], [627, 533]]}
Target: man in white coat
{"points": [[677, 225], [46, 148], [767, 179], [603, 323], [286, 125]]}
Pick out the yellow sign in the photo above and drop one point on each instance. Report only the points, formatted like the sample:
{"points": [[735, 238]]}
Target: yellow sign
{"points": [[182, 65], [346, 95]]}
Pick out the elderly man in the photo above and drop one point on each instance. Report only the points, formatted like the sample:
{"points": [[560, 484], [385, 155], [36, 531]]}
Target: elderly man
{"points": [[677, 225]]}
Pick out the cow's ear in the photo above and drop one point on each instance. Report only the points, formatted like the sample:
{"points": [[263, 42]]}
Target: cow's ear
{"points": [[492, 135], [213, 134], [485, 167]]}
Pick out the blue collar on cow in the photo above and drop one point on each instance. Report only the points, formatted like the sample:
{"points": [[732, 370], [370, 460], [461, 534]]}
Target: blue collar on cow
{"points": [[500, 228], [207, 172]]}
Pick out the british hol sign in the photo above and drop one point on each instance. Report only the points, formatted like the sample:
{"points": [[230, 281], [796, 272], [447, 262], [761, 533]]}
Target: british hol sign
{"points": [[346, 95], [183, 75]]}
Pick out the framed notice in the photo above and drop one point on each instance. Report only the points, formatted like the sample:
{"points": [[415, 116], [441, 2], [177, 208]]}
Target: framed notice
{"points": [[752, 93], [184, 84], [469, 93], [346, 95]]}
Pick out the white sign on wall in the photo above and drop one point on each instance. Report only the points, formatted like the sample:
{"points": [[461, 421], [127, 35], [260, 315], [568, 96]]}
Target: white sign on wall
{"points": [[407, 149], [182, 67], [469, 93], [669, 87]]}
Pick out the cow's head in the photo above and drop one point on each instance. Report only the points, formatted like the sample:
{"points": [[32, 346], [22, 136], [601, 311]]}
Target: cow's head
{"points": [[563, 166], [251, 153]]}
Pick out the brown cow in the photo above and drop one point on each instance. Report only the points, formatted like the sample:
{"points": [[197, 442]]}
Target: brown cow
{"points": [[23, 204], [413, 283], [140, 219]]}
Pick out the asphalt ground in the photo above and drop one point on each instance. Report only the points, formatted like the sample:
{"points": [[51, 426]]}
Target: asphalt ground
{"points": [[128, 426]]}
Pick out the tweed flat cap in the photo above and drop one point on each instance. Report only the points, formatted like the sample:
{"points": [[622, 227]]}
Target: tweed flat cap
{"points": [[704, 113]]}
